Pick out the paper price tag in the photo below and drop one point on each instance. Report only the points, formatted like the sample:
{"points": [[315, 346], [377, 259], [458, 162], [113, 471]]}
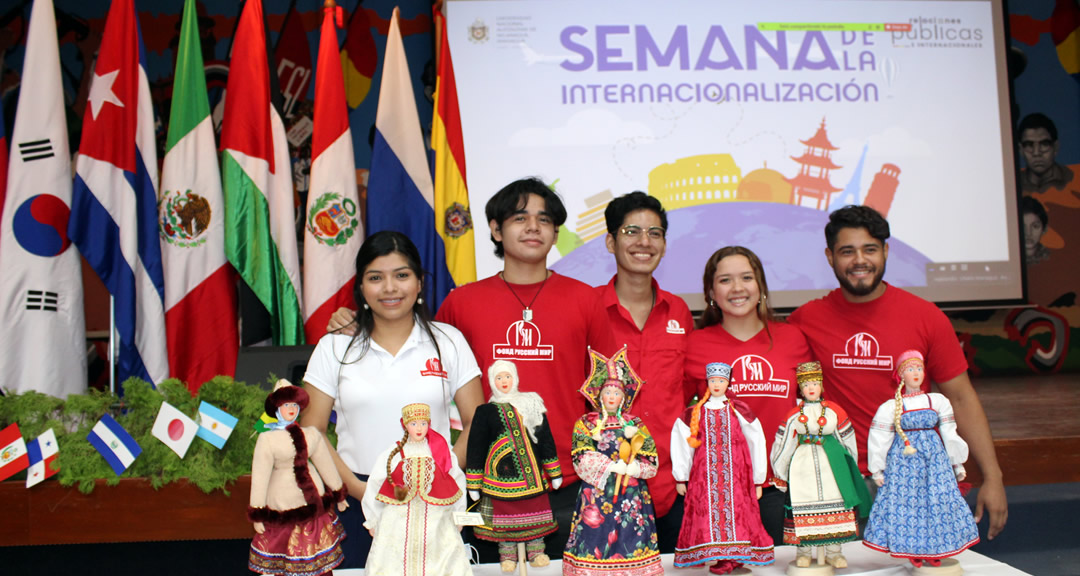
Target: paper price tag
{"points": [[468, 519]]}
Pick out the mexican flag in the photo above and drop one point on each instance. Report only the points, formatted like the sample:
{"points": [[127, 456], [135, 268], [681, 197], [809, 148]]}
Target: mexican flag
{"points": [[260, 240], [199, 285], [332, 228]]}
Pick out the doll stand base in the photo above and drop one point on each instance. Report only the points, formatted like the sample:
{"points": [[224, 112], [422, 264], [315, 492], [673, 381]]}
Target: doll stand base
{"points": [[814, 569], [949, 567], [740, 571]]}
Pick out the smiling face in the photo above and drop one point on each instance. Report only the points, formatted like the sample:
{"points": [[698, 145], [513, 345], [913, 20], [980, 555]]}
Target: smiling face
{"points": [[289, 411], [528, 234], [504, 382], [858, 260], [390, 287], [640, 251], [717, 386], [417, 430], [612, 398], [811, 391], [735, 288], [913, 375]]}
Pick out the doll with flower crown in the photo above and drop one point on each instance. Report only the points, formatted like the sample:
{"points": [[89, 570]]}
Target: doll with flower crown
{"points": [[916, 458], [413, 492], [814, 459], [613, 530], [718, 460], [294, 489]]}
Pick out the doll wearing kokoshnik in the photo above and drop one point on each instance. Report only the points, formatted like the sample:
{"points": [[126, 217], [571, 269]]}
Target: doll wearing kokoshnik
{"points": [[718, 461], [613, 530], [916, 458], [413, 491], [814, 459], [294, 486], [511, 464]]}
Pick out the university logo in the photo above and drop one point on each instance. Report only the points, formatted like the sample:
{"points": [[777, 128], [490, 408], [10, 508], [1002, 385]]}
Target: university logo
{"points": [[183, 217], [331, 220], [478, 32], [433, 367], [752, 375], [458, 221], [674, 328], [522, 343], [861, 352]]}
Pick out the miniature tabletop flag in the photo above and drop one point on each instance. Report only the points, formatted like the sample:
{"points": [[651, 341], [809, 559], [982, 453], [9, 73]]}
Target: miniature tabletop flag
{"points": [[114, 443], [42, 451], [215, 424], [174, 428], [13, 456], [263, 421]]}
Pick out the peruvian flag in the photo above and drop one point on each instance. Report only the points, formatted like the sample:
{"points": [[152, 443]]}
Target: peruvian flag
{"points": [[258, 185], [200, 289], [332, 232], [13, 456]]}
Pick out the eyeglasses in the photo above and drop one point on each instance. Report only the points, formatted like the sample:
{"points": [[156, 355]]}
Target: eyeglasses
{"points": [[634, 232]]}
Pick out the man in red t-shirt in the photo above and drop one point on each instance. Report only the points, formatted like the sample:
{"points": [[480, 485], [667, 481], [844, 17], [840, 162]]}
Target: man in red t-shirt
{"points": [[858, 330], [653, 324]]}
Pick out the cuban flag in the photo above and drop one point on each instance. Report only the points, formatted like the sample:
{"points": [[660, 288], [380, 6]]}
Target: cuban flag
{"points": [[13, 457], [401, 195], [215, 424], [42, 452], [114, 204], [114, 443]]}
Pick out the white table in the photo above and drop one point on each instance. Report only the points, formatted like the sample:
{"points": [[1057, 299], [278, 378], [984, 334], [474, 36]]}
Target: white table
{"points": [[861, 560]]}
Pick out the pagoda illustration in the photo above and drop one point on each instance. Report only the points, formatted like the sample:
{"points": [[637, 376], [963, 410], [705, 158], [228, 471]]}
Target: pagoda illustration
{"points": [[812, 181]]}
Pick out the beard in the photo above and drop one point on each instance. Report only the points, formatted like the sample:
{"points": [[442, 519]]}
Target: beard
{"points": [[863, 288]]}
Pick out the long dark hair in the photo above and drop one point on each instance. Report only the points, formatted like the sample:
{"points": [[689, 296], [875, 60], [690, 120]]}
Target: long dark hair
{"points": [[713, 314], [375, 246]]}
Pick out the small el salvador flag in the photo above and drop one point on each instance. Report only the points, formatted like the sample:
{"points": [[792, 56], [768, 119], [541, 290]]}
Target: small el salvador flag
{"points": [[215, 424], [114, 443]]}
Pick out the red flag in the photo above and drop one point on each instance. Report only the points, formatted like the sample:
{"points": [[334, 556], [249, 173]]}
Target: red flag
{"points": [[13, 457], [292, 56]]}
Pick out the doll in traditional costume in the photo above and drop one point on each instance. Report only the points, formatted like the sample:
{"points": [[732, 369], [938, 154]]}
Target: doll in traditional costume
{"points": [[413, 492], [814, 459], [511, 466], [718, 460], [294, 488], [917, 458], [614, 527]]}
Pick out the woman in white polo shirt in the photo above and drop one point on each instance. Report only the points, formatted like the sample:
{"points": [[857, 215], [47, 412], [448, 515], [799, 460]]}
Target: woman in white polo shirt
{"points": [[397, 356]]}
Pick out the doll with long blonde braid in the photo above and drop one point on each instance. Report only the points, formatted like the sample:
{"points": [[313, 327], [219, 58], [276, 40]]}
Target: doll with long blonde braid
{"points": [[916, 458]]}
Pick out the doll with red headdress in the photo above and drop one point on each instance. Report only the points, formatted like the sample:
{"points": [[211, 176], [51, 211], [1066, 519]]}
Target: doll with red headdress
{"points": [[294, 487], [916, 458], [718, 460], [613, 531], [413, 492]]}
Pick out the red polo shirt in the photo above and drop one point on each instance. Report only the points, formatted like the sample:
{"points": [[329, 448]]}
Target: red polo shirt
{"points": [[663, 397]]}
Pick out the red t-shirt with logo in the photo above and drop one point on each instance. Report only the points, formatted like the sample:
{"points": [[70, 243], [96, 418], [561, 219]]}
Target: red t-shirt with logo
{"points": [[657, 354], [550, 351], [858, 344], [762, 371]]}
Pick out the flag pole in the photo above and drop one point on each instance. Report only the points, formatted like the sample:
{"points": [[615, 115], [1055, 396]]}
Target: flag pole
{"points": [[112, 345]]}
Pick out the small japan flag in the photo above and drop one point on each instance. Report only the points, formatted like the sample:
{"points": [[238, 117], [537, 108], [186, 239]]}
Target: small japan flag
{"points": [[174, 429]]}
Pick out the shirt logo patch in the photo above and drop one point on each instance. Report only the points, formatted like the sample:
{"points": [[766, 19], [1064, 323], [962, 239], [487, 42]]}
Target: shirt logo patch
{"points": [[674, 328], [752, 375], [861, 352], [433, 368], [522, 343]]}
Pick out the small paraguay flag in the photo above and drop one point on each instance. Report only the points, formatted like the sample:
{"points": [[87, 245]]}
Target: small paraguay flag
{"points": [[174, 429], [114, 443], [42, 451], [12, 452], [215, 424]]}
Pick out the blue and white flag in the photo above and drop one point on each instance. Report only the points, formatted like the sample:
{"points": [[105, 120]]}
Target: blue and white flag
{"points": [[114, 198], [114, 443], [215, 424], [42, 452], [401, 195]]}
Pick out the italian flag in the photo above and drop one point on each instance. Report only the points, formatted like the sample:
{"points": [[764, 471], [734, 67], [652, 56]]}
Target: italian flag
{"points": [[332, 228], [260, 241], [200, 291]]}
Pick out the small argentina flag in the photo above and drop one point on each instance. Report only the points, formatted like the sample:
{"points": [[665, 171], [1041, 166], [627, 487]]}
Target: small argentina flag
{"points": [[215, 424], [114, 443]]}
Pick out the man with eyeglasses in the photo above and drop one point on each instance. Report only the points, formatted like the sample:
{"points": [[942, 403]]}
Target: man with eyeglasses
{"points": [[1039, 146], [646, 318]]}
